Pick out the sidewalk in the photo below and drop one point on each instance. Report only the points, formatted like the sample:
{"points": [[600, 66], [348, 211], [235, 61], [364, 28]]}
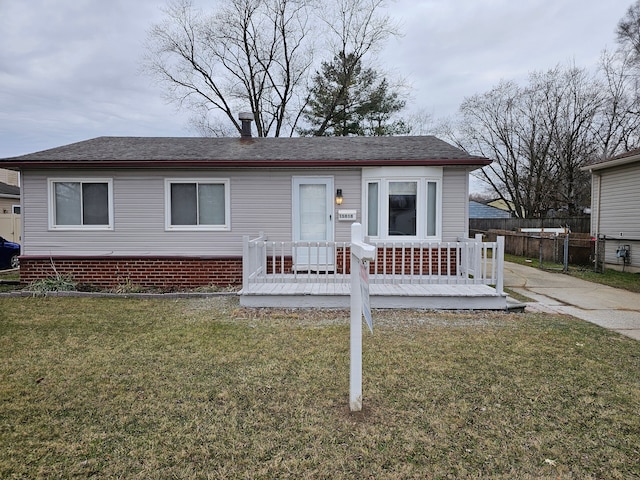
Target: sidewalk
{"points": [[612, 308]]}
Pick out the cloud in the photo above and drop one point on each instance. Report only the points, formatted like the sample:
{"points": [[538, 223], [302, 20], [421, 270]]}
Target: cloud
{"points": [[69, 69], [454, 49], [72, 72]]}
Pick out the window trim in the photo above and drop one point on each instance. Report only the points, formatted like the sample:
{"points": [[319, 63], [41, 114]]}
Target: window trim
{"points": [[383, 177], [197, 228], [52, 203]]}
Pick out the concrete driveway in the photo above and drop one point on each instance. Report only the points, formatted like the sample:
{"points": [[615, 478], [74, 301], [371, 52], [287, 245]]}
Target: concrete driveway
{"points": [[611, 308]]}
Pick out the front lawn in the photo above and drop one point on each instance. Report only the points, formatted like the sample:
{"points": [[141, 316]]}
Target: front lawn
{"points": [[202, 388]]}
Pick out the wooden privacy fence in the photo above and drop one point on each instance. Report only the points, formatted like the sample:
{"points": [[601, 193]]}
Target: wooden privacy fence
{"points": [[575, 224], [548, 247]]}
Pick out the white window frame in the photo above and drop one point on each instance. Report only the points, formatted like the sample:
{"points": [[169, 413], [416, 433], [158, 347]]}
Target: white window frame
{"points": [[14, 208], [383, 176], [198, 228], [51, 195]]}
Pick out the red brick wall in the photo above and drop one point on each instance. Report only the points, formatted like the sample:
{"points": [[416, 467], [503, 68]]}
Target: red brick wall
{"points": [[434, 261], [165, 273], [170, 273]]}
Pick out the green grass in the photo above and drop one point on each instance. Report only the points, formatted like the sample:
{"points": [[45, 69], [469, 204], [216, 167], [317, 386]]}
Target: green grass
{"points": [[625, 280], [115, 388]]}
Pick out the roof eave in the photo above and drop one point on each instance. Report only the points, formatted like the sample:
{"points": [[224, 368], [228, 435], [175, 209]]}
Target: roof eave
{"points": [[612, 163], [267, 163]]}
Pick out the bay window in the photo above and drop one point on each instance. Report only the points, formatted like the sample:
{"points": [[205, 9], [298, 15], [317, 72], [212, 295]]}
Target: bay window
{"points": [[402, 202]]}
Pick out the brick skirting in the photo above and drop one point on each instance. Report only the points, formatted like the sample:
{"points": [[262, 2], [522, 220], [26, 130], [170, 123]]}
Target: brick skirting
{"points": [[166, 273], [429, 261]]}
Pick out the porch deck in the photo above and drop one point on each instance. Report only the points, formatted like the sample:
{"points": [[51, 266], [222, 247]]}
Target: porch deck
{"points": [[387, 295], [465, 275]]}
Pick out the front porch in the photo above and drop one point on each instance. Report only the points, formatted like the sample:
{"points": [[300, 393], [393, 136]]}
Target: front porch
{"points": [[462, 275]]}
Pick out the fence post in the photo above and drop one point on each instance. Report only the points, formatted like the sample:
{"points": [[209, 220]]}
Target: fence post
{"points": [[565, 265], [245, 262], [477, 260], [500, 265]]}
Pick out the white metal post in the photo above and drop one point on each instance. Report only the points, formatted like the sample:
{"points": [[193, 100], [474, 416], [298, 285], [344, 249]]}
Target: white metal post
{"points": [[355, 376], [246, 263], [500, 264], [477, 260], [359, 251]]}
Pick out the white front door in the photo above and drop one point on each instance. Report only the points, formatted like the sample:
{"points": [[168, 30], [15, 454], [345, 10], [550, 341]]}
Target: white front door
{"points": [[313, 222]]}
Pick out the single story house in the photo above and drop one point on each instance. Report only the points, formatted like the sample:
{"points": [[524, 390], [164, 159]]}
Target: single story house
{"points": [[173, 212], [615, 210]]}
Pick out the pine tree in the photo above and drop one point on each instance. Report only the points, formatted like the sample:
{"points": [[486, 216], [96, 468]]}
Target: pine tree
{"points": [[346, 99]]}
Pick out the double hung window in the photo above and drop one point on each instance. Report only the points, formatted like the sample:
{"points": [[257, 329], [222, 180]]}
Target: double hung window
{"points": [[81, 204], [201, 204]]}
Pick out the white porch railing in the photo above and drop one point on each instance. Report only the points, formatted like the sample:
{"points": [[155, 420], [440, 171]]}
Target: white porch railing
{"points": [[469, 261]]}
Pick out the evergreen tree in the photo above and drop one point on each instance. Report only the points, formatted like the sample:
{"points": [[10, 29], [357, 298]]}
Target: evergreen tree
{"points": [[346, 99]]}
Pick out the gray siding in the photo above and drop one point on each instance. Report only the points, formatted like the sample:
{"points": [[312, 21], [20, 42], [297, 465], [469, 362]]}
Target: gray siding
{"points": [[595, 203], [455, 204], [619, 211], [260, 201]]}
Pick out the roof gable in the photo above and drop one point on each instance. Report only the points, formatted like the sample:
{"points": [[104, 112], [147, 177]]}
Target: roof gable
{"points": [[252, 152]]}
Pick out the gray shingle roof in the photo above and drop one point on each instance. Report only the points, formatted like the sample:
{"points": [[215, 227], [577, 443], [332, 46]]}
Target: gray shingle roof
{"points": [[276, 152], [480, 210], [10, 190]]}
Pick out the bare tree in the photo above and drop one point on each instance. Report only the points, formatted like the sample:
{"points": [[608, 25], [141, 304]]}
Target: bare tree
{"points": [[248, 54], [574, 143], [618, 122], [540, 135], [628, 31], [255, 55], [355, 29]]}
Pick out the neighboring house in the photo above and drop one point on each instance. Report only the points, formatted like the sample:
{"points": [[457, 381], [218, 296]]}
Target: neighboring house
{"points": [[500, 204], [480, 210], [9, 199], [172, 212], [615, 209], [10, 212], [10, 177]]}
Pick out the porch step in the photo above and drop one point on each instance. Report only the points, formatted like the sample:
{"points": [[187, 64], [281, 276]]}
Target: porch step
{"points": [[400, 296]]}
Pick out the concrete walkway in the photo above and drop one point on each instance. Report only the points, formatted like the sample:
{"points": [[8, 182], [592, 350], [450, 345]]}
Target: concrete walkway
{"points": [[612, 308]]}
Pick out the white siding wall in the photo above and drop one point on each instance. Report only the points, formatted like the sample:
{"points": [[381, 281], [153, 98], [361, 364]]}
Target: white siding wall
{"points": [[260, 201], [620, 211], [455, 204]]}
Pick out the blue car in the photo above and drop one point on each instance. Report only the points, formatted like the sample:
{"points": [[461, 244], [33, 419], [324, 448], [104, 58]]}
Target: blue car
{"points": [[9, 253]]}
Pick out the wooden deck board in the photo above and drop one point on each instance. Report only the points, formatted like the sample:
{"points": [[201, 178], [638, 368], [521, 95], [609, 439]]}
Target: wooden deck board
{"points": [[391, 295]]}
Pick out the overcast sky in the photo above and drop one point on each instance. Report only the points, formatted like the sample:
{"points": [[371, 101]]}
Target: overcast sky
{"points": [[69, 69]]}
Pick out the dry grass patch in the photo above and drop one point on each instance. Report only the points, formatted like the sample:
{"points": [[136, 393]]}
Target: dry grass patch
{"points": [[112, 388]]}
